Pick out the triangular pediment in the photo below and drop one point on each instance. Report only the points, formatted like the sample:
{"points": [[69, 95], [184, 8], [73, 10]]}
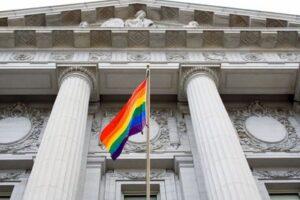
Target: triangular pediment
{"points": [[163, 13]]}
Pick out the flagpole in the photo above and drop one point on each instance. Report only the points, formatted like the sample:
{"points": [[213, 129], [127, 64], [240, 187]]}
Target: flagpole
{"points": [[148, 135]]}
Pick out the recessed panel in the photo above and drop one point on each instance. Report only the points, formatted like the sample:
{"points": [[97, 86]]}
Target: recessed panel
{"points": [[124, 81], [258, 81]]}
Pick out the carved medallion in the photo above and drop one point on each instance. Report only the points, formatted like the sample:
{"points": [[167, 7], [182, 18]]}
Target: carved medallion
{"points": [[100, 56], [22, 56], [13, 129], [214, 56], [30, 141], [61, 56], [176, 56], [138, 56], [261, 137], [289, 56], [253, 57], [266, 129]]}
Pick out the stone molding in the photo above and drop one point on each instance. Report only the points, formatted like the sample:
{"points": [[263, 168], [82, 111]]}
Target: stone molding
{"points": [[85, 71], [188, 72], [183, 161]]}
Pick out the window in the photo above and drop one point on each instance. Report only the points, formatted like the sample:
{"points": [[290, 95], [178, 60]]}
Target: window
{"points": [[284, 197], [139, 197], [5, 192], [138, 192]]}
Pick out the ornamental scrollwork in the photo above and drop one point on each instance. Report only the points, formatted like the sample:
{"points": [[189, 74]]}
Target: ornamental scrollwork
{"points": [[31, 141], [257, 109], [11, 175], [139, 175], [271, 174]]}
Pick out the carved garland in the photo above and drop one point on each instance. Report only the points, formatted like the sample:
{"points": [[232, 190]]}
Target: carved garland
{"points": [[249, 143], [31, 141]]}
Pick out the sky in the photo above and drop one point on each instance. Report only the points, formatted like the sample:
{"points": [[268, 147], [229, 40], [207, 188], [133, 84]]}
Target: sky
{"points": [[285, 6]]}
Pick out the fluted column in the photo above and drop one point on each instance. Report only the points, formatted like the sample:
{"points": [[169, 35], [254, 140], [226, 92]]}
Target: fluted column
{"points": [[226, 172], [56, 171]]}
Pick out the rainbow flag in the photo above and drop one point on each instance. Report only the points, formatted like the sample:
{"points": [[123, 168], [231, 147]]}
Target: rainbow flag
{"points": [[129, 121]]}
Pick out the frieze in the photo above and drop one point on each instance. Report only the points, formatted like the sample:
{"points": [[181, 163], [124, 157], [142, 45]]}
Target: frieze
{"points": [[239, 117], [277, 174], [31, 142], [150, 56]]}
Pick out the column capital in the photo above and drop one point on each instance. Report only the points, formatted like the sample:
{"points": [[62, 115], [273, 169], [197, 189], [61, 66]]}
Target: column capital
{"points": [[84, 71], [189, 71], [87, 72]]}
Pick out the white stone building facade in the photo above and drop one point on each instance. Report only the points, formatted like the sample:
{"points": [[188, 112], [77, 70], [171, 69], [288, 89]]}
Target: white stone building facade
{"points": [[225, 88]]}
